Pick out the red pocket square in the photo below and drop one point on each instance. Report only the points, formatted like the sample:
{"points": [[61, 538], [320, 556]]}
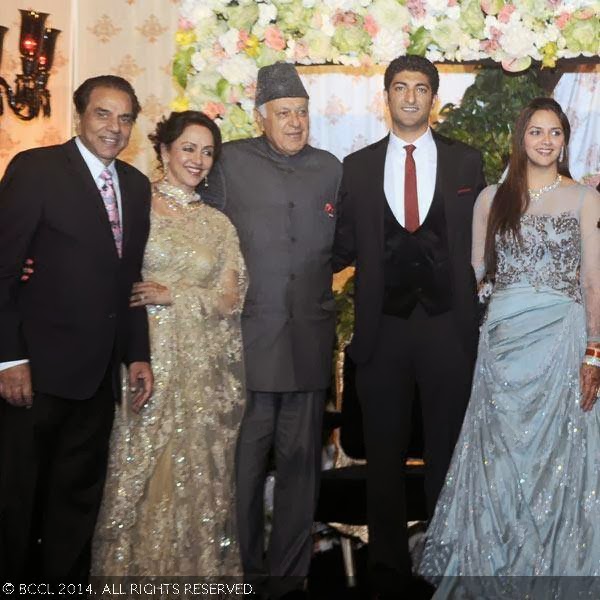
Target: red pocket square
{"points": [[464, 190]]}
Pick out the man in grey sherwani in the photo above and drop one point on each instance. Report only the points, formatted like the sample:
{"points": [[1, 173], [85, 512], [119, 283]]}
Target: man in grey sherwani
{"points": [[281, 194]]}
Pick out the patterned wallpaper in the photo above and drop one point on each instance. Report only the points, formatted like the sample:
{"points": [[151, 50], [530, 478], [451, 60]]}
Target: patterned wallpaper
{"points": [[17, 135], [134, 39]]}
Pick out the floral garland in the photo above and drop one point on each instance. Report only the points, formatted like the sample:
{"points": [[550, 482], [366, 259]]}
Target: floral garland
{"points": [[221, 44]]}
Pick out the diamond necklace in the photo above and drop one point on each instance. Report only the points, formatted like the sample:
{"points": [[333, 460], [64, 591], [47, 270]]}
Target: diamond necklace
{"points": [[535, 195], [175, 195]]}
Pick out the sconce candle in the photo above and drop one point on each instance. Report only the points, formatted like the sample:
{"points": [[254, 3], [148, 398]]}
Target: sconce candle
{"points": [[36, 45]]}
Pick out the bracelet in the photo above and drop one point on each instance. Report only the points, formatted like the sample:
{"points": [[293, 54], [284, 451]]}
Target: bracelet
{"points": [[592, 361], [589, 351]]}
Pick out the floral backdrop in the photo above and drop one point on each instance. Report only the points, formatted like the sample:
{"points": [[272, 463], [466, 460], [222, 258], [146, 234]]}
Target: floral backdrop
{"points": [[222, 43]]}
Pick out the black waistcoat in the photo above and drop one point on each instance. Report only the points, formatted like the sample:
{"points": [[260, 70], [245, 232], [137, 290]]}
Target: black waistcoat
{"points": [[416, 265]]}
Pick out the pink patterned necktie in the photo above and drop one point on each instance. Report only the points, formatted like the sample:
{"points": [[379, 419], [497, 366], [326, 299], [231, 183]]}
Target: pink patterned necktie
{"points": [[107, 191]]}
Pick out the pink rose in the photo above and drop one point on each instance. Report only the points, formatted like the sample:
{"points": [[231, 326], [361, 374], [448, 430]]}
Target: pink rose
{"points": [[347, 18], [274, 38], [184, 24], [219, 51], [416, 8], [489, 46], [242, 39], [504, 14], [563, 19], [300, 51], [371, 26], [214, 109]]}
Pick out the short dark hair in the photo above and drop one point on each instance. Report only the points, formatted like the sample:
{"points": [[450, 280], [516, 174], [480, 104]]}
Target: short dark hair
{"points": [[81, 96], [169, 129], [412, 62]]}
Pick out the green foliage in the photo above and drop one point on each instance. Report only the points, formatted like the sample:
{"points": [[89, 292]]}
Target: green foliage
{"points": [[181, 66], [487, 113]]}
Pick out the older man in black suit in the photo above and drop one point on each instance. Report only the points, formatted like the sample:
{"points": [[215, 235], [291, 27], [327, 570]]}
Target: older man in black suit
{"points": [[406, 212], [84, 218]]}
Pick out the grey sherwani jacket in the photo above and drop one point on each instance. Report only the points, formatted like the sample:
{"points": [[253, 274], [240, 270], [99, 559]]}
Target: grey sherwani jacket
{"points": [[284, 210]]}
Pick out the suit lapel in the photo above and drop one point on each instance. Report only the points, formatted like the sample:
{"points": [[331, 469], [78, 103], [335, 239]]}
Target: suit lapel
{"points": [[82, 174], [376, 172], [446, 183]]}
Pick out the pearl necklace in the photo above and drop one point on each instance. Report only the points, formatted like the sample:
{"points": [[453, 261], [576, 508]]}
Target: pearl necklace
{"points": [[176, 196], [535, 195]]}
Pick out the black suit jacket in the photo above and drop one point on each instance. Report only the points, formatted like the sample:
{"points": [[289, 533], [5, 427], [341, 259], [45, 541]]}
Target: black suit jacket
{"points": [[72, 317], [359, 235]]}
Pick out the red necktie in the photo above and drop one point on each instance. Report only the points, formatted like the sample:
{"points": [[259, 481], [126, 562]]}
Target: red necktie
{"points": [[411, 205]]}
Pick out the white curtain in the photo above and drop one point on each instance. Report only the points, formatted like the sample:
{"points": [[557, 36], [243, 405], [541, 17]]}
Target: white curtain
{"points": [[579, 96]]}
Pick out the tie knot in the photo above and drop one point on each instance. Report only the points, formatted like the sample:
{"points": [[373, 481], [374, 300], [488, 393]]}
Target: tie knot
{"points": [[409, 148], [106, 175]]}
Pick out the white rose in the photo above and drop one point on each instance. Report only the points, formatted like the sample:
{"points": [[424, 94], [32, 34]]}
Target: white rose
{"points": [[199, 13], [429, 22], [453, 12], [238, 70], [517, 41], [328, 28], [309, 3], [437, 5], [468, 51], [388, 13], [339, 4], [490, 22], [434, 55], [266, 14], [353, 61], [198, 61], [387, 45], [229, 40], [550, 33]]}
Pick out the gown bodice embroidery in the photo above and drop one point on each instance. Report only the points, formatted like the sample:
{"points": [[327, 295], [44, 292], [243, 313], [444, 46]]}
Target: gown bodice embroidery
{"points": [[547, 255]]}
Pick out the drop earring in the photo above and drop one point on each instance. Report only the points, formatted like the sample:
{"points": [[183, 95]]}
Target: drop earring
{"points": [[206, 182], [562, 154]]}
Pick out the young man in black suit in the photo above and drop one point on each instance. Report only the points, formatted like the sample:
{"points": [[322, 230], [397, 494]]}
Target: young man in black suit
{"points": [[405, 222], [84, 218]]}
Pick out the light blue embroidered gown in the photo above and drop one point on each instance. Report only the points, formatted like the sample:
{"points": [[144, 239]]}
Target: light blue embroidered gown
{"points": [[522, 495]]}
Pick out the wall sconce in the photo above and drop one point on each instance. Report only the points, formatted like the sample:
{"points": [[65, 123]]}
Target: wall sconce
{"points": [[36, 45]]}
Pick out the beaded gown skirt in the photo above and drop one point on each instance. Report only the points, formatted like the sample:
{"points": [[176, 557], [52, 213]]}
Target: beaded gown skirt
{"points": [[169, 500], [521, 497]]}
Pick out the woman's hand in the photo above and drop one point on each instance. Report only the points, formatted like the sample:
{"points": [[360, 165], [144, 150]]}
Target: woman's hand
{"points": [[149, 292], [590, 386]]}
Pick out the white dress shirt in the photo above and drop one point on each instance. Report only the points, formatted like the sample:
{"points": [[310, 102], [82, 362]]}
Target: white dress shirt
{"points": [[425, 155], [96, 166]]}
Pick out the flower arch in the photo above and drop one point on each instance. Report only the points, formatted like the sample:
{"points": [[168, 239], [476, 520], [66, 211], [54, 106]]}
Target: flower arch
{"points": [[221, 44]]}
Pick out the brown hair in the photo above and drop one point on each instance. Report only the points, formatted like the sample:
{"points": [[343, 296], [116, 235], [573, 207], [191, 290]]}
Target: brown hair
{"points": [[511, 199]]}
